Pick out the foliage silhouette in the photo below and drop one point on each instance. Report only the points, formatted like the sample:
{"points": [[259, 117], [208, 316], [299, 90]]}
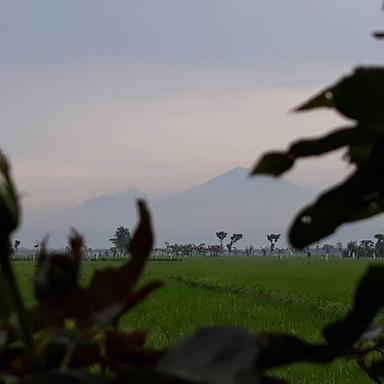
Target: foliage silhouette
{"points": [[360, 97]]}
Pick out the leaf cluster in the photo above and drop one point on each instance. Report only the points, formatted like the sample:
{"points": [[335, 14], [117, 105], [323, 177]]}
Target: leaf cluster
{"points": [[360, 98]]}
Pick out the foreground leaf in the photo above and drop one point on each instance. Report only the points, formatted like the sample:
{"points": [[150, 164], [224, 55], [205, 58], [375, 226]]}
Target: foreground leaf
{"points": [[10, 210], [56, 275], [273, 163], [277, 349], [215, 355], [369, 299], [129, 348], [111, 291], [361, 195], [331, 209], [63, 376], [359, 96], [356, 138]]}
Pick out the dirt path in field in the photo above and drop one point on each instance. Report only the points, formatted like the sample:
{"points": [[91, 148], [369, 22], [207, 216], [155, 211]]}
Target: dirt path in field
{"points": [[264, 296]]}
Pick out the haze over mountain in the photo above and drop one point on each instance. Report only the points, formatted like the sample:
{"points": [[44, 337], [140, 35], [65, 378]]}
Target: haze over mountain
{"points": [[231, 202]]}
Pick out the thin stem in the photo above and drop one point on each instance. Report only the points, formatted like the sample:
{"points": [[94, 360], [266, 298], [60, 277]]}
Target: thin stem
{"points": [[17, 302]]}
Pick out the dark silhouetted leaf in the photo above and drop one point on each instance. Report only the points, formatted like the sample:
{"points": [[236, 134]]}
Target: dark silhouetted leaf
{"points": [[9, 202], [332, 209], [13, 360], [6, 308], [356, 138], [378, 35], [56, 275], [374, 208], [359, 154], [337, 139], [111, 291], [71, 348], [323, 99], [129, 348], [82, 354], [63, 376], [359, 96], [112, 313], [376, 370], [140, 246], [368, 300], [110, 284], [215, 355], [85, 355], [129, 373], [273, 163], [360, 195], [281, 349]]}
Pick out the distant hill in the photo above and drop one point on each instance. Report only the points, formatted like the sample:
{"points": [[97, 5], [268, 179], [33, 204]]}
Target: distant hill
{"points": [[232, 202], [102, 212]]}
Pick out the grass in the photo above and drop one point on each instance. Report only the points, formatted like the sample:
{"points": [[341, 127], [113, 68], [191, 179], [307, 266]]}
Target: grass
{"points": [[260, 294]]}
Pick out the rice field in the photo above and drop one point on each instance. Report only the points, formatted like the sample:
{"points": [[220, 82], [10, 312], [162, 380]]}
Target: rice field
{"points": [[258, 293]]}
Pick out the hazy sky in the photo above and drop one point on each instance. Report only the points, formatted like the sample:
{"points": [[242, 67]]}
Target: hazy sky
{"points": [[97, 96]]}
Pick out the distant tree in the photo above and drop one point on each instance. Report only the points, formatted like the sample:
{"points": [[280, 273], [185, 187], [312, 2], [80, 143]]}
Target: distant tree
{"points": [[37, 248], [221, 235], [367, 243], [379, 246], [90, 252], [379, 236], [16, 245], [201, 249], [273, 239], [173, 250], [121, 240], [250, 251], [214, 250], [234, 239], [351, 248], [327, 248], [366, 248], [187, 249]]}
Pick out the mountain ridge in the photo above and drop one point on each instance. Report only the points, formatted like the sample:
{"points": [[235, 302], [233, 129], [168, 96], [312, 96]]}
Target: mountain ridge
{"points": [[231, 201]]}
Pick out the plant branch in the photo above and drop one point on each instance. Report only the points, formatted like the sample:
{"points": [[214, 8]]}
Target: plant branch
{"points": [[17, 302]]}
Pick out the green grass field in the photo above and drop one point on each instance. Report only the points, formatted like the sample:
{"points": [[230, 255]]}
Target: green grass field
{"points": [[260, 294]]}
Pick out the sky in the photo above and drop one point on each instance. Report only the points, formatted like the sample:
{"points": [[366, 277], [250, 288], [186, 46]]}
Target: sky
{"points": [[99, 96]]}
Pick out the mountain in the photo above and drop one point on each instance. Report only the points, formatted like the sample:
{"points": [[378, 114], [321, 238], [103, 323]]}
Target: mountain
{"points": [[104, 211], [232, 202], [96, 218]]}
